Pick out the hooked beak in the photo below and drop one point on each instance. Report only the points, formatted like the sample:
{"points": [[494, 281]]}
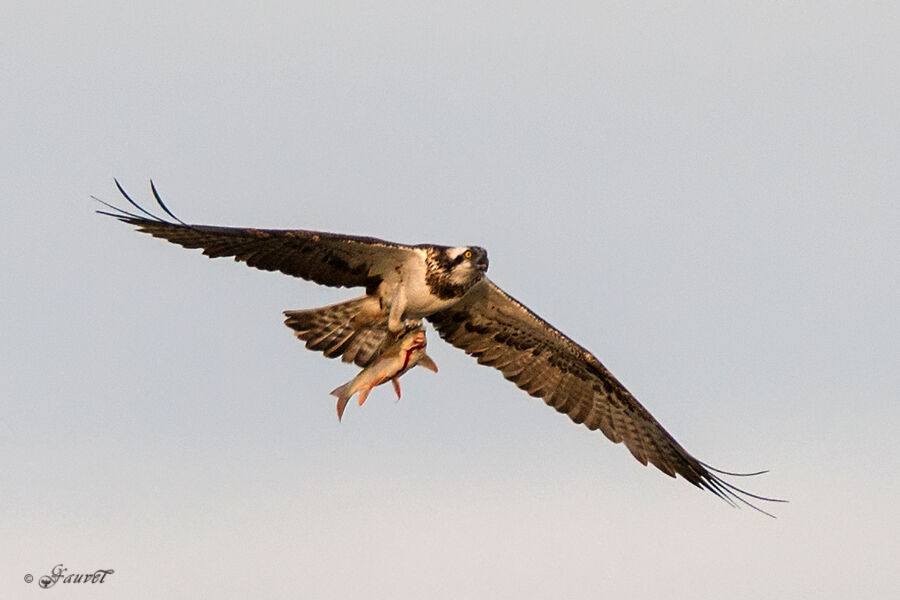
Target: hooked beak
{"points": [[481, 260]]}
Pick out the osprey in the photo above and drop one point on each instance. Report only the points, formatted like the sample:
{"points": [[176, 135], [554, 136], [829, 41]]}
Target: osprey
{"points": [[446, 286]]}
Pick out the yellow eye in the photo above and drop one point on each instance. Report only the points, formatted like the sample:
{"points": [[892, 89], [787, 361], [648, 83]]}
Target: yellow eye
{"points": [[468, 254]]}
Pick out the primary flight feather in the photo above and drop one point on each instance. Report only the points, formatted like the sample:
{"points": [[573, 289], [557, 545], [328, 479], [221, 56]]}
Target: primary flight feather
{"points": [[448, 287]]}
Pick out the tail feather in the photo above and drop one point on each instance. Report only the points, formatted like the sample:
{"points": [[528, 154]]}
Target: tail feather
{"points": [[362, 348], [332, 335], [337, 343], [333, 330]]}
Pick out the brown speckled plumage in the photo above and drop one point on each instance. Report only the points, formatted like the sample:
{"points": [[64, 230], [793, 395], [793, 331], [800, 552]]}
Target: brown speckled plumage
{"points": [[475, 315]]}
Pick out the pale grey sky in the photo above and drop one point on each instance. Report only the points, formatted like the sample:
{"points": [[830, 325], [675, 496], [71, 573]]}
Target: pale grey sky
{"points": [[705, 196]]}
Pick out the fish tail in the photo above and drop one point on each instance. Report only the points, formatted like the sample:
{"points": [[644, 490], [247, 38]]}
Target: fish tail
{"points": [[343, 394]]}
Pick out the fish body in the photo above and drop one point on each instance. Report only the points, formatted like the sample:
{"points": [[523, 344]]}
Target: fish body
{"points": [[394, 360]]}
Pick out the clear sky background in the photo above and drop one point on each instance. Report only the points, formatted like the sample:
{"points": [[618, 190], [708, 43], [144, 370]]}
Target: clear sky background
{"points": [[706, 195]]}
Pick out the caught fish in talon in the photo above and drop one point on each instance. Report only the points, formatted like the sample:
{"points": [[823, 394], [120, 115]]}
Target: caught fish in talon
{"points": [[396, 358]]}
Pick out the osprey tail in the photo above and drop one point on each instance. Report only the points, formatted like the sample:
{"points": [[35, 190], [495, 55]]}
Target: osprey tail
{"points": [[354, 330]]}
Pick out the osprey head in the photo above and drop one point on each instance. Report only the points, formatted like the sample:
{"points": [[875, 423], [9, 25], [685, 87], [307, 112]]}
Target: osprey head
{"points": [[453, 271], [466, 263]]}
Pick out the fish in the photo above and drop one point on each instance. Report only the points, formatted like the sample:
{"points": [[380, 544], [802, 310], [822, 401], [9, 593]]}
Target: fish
{"points": [[394, 360]]}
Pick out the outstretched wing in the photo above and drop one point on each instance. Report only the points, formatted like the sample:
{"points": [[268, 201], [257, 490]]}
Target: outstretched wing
{"points": [[325, 258], [501, 332]]}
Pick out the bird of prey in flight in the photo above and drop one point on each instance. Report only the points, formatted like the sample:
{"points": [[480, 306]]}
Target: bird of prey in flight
{"points": [[448, 287]]}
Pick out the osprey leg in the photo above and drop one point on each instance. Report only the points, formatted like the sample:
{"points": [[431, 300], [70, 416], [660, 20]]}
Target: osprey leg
{"points": [[396, 324]]}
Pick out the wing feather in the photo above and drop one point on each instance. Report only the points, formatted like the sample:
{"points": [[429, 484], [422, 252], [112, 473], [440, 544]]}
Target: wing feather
{"points": [[501, 332], [325, 258]]}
